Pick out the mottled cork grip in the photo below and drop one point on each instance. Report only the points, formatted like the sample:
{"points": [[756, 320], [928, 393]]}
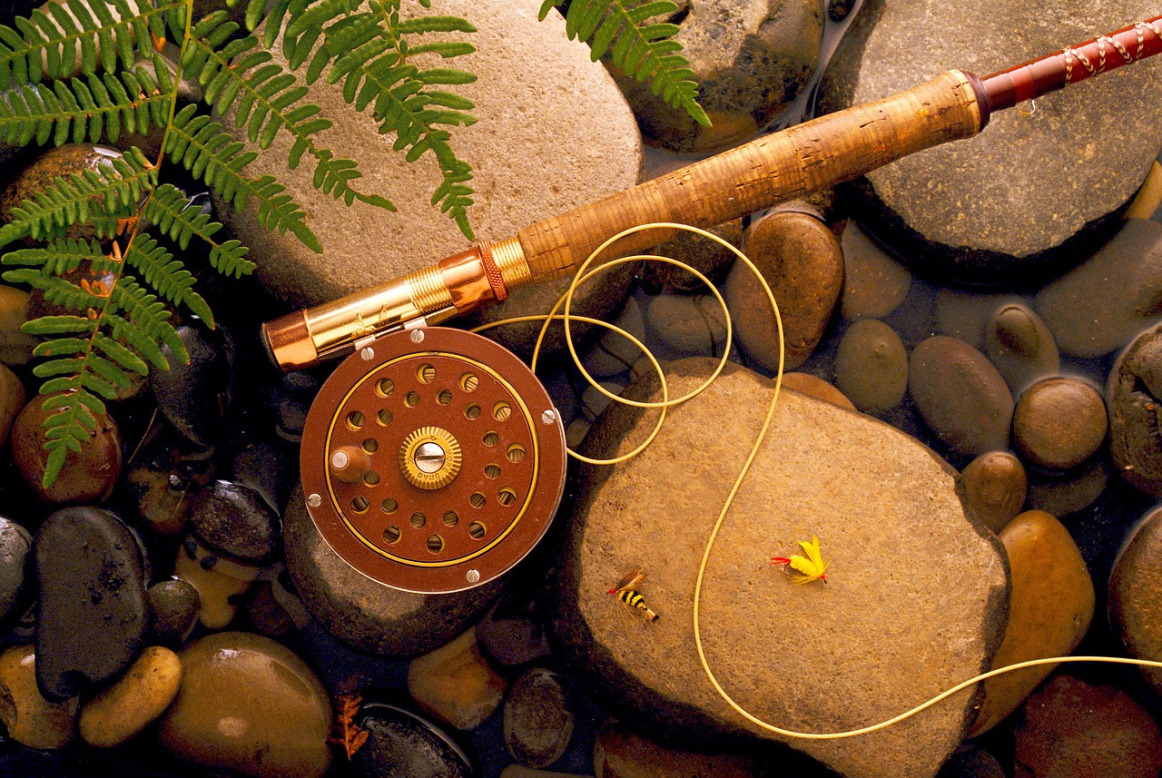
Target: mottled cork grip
{"points": [[810, 156]]}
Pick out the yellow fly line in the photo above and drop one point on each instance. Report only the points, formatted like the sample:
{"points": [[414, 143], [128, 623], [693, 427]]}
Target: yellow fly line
{"points": [[567, 318]]}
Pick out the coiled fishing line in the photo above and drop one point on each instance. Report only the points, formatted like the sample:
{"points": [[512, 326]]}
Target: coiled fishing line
{"points": [[582, 275]]}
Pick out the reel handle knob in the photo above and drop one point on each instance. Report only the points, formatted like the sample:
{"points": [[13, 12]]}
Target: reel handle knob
{"points": [[349, 464]]}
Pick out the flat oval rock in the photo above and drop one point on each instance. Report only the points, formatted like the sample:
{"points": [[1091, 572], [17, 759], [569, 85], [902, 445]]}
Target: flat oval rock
{"points": [[1133, 394], [1069, 168], [960, 395], [363, 613], [402, 744], [1020, 346], [92, 615], [235, 521], [538, 718], [871, 366], [868, 491]]}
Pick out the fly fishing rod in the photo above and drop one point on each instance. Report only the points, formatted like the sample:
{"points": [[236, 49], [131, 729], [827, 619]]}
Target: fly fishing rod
{"points": [[433, 460]]}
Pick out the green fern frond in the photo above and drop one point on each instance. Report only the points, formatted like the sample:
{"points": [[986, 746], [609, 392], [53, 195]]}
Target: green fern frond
{"points": [[370, 53], [167, 275], [145, 323], [81, 108], [211, 154], [169, 209], [101, 195], [69, 428], [56, 290], [644, 52], [236, 73], [44, 45]]}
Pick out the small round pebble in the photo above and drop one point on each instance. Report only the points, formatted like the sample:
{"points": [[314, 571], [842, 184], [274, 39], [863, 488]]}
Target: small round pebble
{"points": [[801, 260], [960, 395], [1020, 346], [248, 704], [1135, 593], [538, 718], [1059, 423], [1072, 728], [234, 521], [30, 719], [510, 633], [173, 611], [816, 387], [455, 683], [87, 476], [402, 744], [1051, 605], [871, 366], [134, 701], [995, 485]]}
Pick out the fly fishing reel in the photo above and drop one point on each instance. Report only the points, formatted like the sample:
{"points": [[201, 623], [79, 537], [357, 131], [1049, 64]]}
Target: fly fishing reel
{"points": [[432, 460]]}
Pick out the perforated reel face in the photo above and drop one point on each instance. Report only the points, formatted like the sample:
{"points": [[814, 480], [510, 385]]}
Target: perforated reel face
{"points": [[433, 460]]}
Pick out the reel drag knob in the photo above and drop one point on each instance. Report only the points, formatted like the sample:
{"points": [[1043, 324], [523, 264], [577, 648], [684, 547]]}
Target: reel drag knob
{"points": [[432, 460]]}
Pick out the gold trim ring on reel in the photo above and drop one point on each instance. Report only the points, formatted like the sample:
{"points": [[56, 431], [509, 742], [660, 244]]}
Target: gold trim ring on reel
{"points": [[432, 460]]}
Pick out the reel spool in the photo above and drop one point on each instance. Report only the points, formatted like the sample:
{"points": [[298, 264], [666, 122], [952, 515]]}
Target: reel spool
{"points": [[432, 460]]}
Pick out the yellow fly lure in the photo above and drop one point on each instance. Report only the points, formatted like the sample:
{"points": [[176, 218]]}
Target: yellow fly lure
{"points": [[804, 569]]}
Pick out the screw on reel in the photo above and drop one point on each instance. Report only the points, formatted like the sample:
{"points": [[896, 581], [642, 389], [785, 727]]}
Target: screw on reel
{"points": [[432, 464]]}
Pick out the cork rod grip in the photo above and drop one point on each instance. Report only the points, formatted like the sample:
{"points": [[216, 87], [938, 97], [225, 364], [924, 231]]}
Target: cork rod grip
{"points": [[818, 154]]}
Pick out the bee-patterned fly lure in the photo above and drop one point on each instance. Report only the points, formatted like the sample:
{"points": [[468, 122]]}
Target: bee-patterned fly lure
{"points": [[630, 597]]}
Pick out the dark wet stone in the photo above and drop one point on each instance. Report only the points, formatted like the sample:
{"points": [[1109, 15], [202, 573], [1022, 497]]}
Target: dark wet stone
{"points": [[995, 485], [1133, 393], [1059, 423], [945, 209], [269, 468], [1072, 728], [1020, 346], [402, 744], [267, 616], [70, 158], [1135, 593], [162, 479], [613, 354], [960, 395], [622, 753], [92, 613], [511, 634], [173, 611], [871, 366], [195, 397], [972, 762], [750, 58], [15, 544], [366, 614], [87, 476], [234, 521], [538, 718]]}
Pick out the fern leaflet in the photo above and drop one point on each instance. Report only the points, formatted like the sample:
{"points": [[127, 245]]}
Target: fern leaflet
{"points": [[45, 44], [212, 155], [167, 275], [169, 209], [645, 52]]}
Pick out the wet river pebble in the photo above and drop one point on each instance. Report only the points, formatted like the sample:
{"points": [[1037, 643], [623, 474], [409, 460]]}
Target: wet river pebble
{"points": [[1132, 394], [1135, 593], [87, 476], [871, 366], [30, 719], [995, 486], [1059, 423], [538, 718], [1020, 346], [134, 701]]}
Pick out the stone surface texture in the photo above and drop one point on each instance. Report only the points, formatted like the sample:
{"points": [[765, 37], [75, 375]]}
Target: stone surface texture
{"points": [[869, 492], [531, 80], [364, 613], [1135, 594], [1132, 395], [1067, 169]]}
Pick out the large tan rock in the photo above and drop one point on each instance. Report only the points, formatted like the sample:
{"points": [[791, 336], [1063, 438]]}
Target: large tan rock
{"points": [[553, 133], [915, 599]]}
